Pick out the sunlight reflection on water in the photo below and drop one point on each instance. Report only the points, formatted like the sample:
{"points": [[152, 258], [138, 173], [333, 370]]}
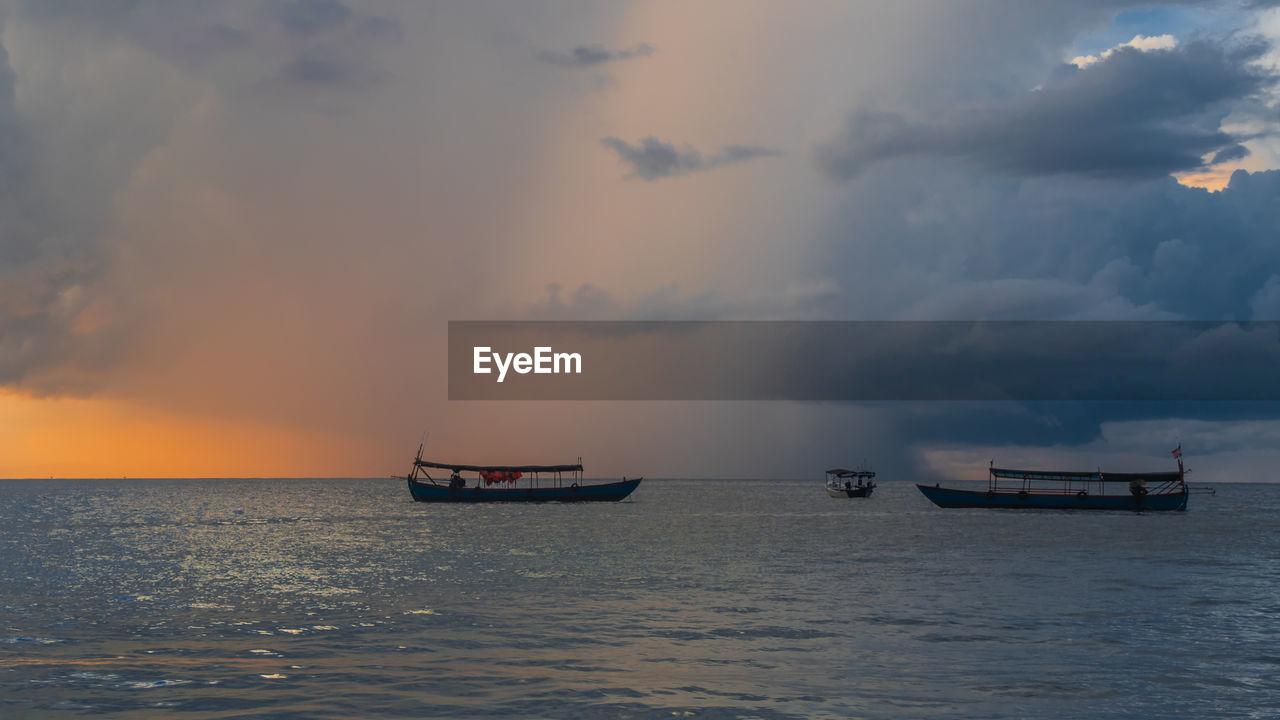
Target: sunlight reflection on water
{"points": [[342, 598]]}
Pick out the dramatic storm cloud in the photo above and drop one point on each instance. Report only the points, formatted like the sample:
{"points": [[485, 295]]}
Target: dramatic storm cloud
{"points": [[1055, 247], [654, 159], [1132, 114], [63, 320], [260, 214], [49, 254]]}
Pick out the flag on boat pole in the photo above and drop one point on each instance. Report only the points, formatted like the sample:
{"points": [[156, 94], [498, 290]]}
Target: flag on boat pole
{"points": [[1177, 452]]}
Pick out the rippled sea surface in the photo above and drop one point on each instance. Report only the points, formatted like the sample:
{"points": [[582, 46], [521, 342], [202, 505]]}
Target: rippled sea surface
{"points": [[710, 599]]}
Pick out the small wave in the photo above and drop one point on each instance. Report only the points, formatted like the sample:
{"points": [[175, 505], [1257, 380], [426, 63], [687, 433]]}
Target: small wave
{"points": [[944, 638], [89, 675], [23, 640], [114, 680], [771, 632], [149, 684], [331, 591]]}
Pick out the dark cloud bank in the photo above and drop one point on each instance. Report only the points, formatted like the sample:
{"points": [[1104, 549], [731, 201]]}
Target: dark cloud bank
{"points": [[1058, 203], [1133, 115], [45, 260], [300, 43]]}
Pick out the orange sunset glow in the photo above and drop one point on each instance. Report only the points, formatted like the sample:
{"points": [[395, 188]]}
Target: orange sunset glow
{"points": [[84, 437]]}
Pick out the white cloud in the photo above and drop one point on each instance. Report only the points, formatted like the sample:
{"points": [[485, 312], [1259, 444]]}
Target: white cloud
{"points": [[1139, 42]]}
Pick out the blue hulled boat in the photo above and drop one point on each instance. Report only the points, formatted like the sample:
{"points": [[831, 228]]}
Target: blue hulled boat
{"points": [[511, 483], [1044, 490]]}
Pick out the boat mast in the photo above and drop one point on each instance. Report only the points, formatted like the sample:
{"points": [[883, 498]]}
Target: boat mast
{"points": [[413, 475]]}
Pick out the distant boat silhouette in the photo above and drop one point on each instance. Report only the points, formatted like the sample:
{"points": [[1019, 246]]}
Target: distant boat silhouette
{"points": [[850, 483]]}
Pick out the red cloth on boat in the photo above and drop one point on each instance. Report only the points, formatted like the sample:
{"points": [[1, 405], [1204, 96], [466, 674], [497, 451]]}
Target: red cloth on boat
{"points": [[492, 477]]}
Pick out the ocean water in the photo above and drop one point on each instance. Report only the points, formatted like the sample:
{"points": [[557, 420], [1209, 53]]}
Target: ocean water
{"points": [[707, 599]]}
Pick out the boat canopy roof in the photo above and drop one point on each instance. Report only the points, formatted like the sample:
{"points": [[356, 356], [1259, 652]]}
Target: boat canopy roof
{"points": [[1090, 476], [499, 468], [1130, 477], [842, 473]]}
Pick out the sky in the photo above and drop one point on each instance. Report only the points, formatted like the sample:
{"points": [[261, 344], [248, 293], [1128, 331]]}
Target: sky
{"points": [[232, 234]]}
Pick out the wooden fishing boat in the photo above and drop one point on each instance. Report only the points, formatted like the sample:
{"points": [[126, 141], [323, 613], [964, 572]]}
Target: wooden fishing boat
{"points": [[511, 483], [1049, 490], [850, 483]]}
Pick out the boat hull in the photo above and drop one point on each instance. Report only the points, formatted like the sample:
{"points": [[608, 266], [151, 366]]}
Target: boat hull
{"points": [[951, 498], [849, 492], [606, 492]]}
